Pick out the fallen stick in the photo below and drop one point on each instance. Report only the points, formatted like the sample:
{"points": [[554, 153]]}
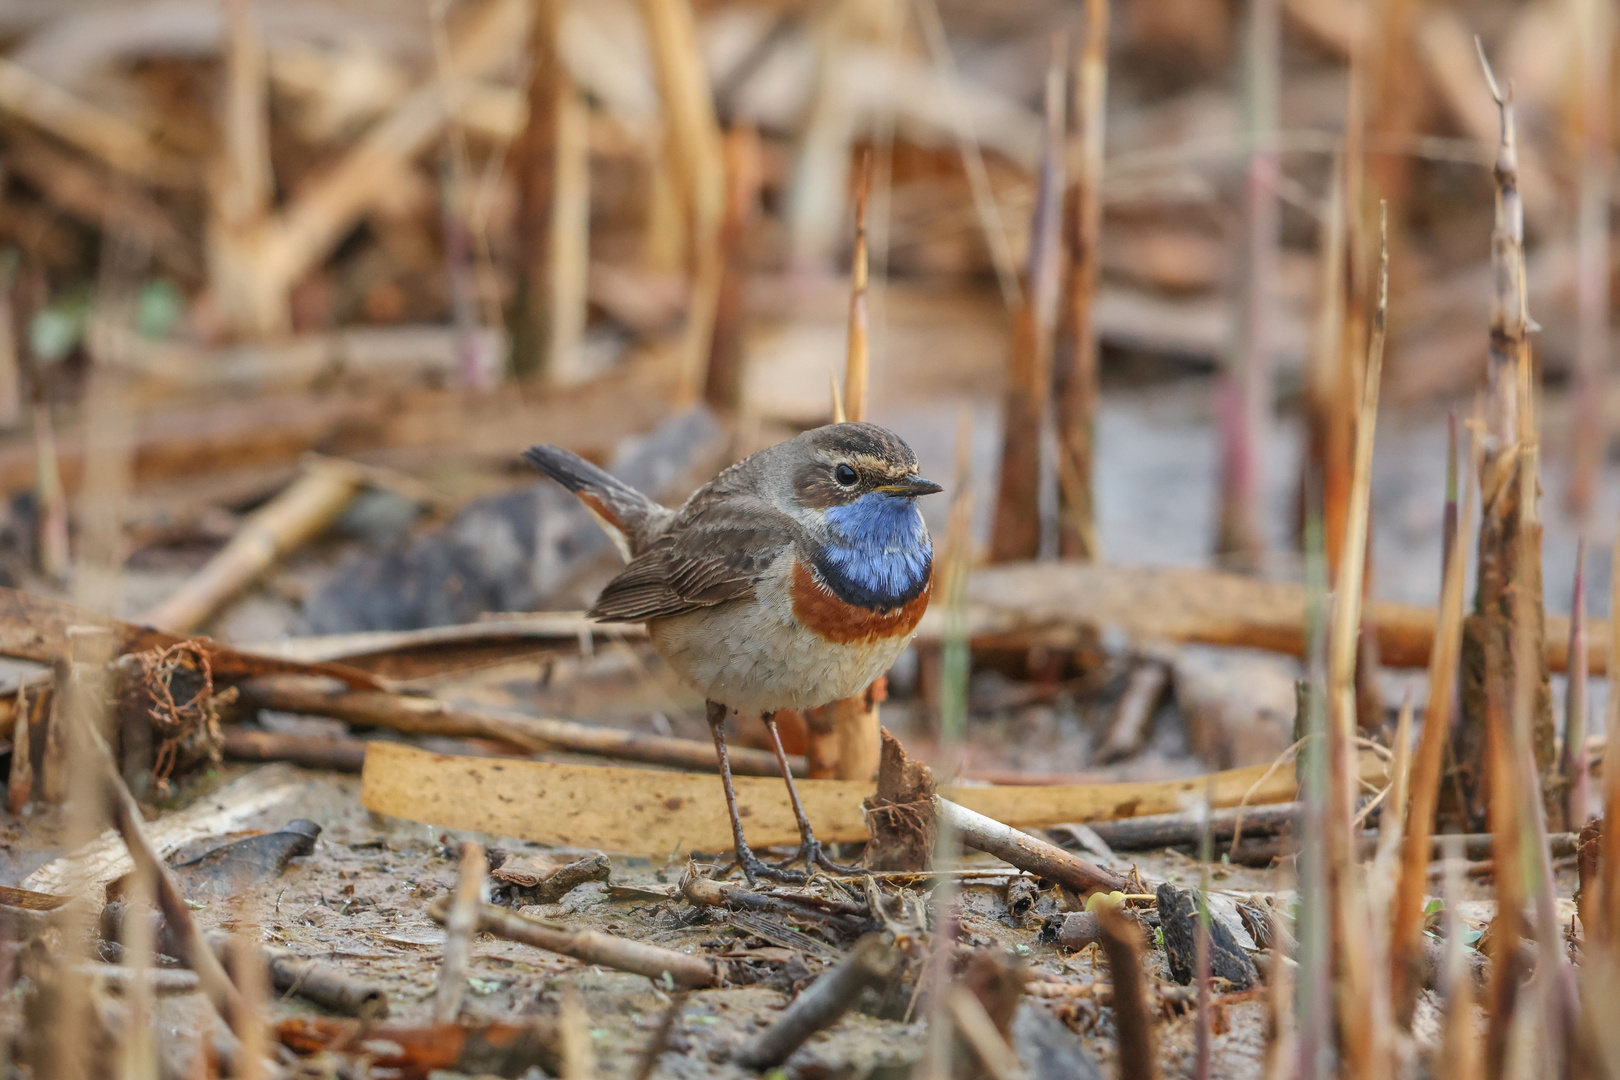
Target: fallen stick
{"points": [[165, 982], [428, 716], [552, 627], [324, 985], [293, 518], [706, 892], [191, 947], [103, 135], [1168, 830], [1027, 853], [872, 963], [637, 811], [1132, 722], [593, 947], [1017, 605], [309, 752]]}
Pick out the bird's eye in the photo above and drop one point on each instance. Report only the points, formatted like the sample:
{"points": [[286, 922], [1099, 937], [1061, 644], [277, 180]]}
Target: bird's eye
{"points": [[846, 475]]}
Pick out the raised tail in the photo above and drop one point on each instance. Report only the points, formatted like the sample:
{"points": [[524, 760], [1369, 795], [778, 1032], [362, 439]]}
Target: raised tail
{"points": [[624, 513]]}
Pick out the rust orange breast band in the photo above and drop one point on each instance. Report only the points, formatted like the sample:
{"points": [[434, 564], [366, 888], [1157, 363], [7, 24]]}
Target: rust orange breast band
{"points": [[833, 620]]}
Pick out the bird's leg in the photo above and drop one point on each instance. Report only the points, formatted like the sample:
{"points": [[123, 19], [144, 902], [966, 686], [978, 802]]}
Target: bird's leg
{"points": [[752, 866], [810, 849]]}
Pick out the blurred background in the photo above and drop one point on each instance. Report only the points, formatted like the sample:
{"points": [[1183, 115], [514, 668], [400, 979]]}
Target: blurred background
{"points": [[311, 274]]}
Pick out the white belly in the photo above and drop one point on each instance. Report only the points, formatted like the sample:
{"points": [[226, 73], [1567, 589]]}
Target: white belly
{"points": [[754, 656]]}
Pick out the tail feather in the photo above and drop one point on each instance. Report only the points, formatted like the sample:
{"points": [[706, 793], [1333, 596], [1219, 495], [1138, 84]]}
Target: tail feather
{"points": [[624, 513]]}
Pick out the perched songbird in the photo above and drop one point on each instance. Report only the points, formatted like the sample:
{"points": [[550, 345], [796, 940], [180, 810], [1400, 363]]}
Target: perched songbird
{"points": [[794, 578]]}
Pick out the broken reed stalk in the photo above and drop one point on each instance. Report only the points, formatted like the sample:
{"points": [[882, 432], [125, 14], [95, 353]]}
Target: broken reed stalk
{"points": [[1606, 902], [310, 225], [308, 752], [329, 987], [1016, 530], [1576, 765], [1536, 872], [981, 833], [1591, 259], [1406, 916], [54, 556], [427, 716], [978, 1030], [190, 945], [1245, 397], [245, 962], [692, 144], [593, 946], [1077, 385], [985, 205], [1313, 1011], [243, 186], [533, 155], [1397, 107], [1122, 942], [858, 360], [744, 180], [1509, 568], [1362, 1042], [872, 963], [460, 925], [303, 511]]}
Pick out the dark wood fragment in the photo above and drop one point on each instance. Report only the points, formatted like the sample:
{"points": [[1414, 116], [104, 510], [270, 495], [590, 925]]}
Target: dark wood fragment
{"points": [[1178, 919], [901, 814], [872, 963]]}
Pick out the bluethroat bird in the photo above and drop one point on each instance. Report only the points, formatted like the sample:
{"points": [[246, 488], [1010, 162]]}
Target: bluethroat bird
{"points": [[794, 578]]}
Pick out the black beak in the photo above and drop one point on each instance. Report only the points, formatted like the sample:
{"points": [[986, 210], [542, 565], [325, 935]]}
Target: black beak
{"points": [[911, 487]]}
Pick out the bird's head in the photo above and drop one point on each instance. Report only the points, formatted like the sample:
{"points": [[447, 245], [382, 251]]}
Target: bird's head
{"points": [[841, 465]]}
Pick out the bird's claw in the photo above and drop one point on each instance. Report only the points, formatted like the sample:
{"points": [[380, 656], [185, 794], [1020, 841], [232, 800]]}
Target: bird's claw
{"points": [[813, 855], [754, 868]]}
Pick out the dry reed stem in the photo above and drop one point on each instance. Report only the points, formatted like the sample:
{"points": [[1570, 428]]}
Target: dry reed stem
{"points": [[1245, 393], [985, 204], [1576, 765], [1607, 901], [105, 136], [1406, 916], [1592, 258], [692, 143], [1459, 1045], [1363, 1042], [300, 513], [1397, 106], [574, 1031], [1016, 531], [312, 224], [1122, 942], [243, 185], [534, 167], [1078, 391], [857, 362], [461, 924], [1508, 598], [53, 518], [744, 179]]}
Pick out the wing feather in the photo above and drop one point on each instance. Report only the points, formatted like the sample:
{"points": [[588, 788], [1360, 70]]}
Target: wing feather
{"points": [[709, 558]]}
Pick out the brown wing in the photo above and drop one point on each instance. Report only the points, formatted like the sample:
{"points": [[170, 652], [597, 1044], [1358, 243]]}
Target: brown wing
{"points": [[700, 563]]}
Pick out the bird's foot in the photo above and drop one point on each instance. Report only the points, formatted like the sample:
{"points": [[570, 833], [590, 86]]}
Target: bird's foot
{"points": [[754, 868], [813, 855]]}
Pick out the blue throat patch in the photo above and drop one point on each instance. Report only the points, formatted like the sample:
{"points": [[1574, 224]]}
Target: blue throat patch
{"points": [[880, 554]]}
